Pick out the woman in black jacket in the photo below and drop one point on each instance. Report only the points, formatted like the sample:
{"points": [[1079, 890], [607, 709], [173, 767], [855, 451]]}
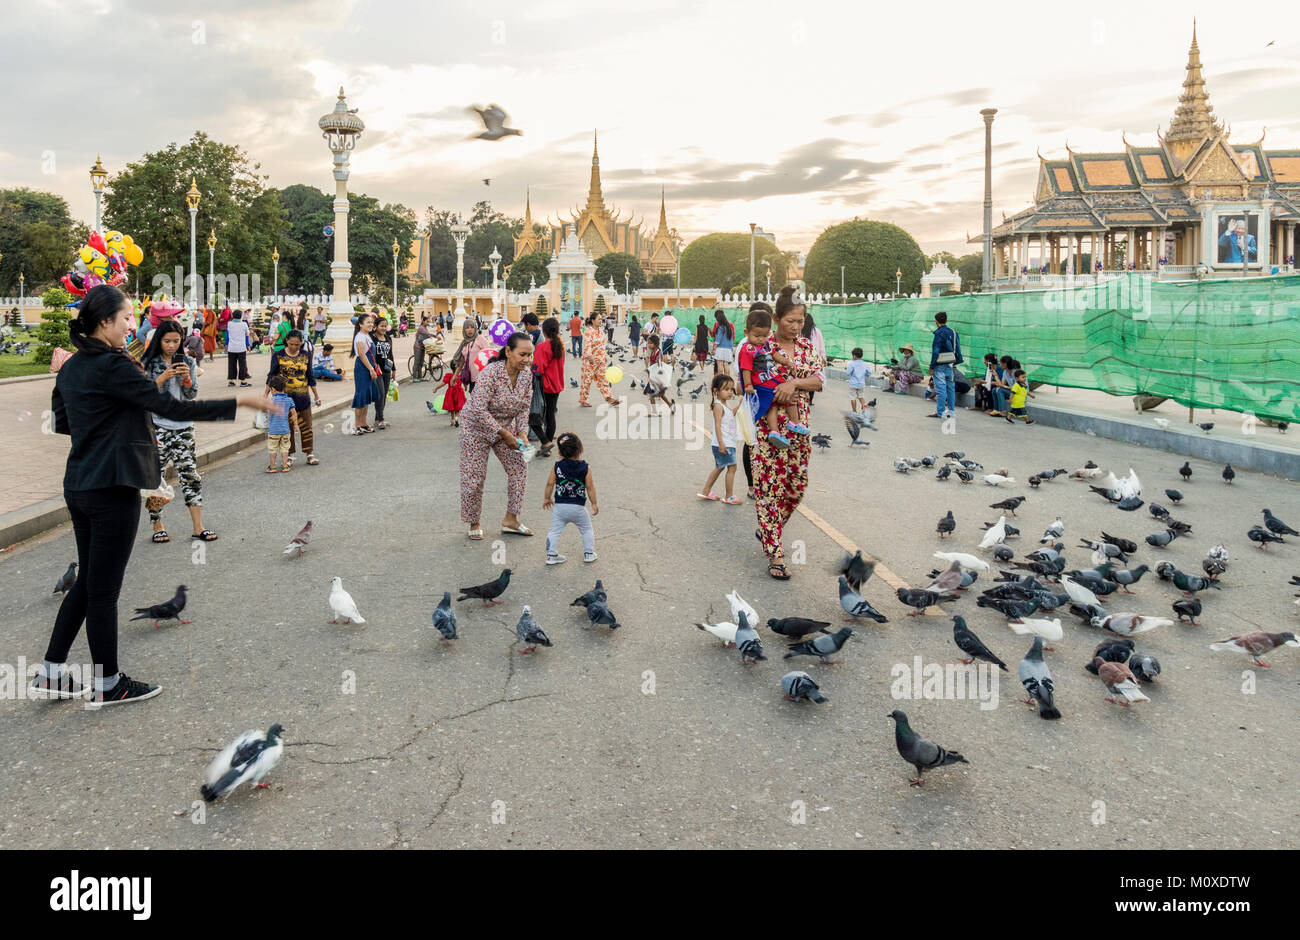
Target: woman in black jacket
{"points": [[103, 399]]}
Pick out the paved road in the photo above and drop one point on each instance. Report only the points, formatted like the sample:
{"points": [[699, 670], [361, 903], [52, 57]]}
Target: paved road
{"points": [[565, 746]]}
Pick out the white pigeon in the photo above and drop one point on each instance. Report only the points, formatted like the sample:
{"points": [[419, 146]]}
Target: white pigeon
{"points": [[1052, 532], [993, 479], [1218, 553], [1129, 624], [247, 759], [1086, 473], [1134, 482], [1049, 630], [738, 606], [726, 632], [995, 534], [1162, 423], [969, 562], [342, 604], [1078, 593], [1110, 482]]}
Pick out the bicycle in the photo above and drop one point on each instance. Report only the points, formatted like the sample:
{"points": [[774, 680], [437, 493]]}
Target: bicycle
{"points": [[432, 367]]}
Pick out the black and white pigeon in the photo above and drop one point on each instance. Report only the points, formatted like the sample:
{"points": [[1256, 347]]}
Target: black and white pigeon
{"points": [[1228, 473], [598, 612], [965, 475], [528, 630], [488, 593], [922, 754], [1186, 471], [247, 759], [857, 570], [796, 627], [595, 594], [299, 542], [444, 618], [494, 121], [1213, 567], [1262, 536], [66, 580], [1110, 495], [1037, 680], [855, 605], [1127, 546], [1276, 525], [168, 610], [1112, 650], [1105, 549], [573, 383], [1189, 607], [821, 646], [972, 645], [946, 525], [1145, 666], [747, 640], [1052, 532], [798, 686], [1175, 496]]}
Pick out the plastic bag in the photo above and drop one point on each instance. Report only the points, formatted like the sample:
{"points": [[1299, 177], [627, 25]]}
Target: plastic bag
{"points": [[745, 419], [261, 421], [392, 390], [159, 497]]}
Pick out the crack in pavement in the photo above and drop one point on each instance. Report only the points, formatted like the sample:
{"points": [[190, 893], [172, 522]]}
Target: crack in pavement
{"points": [[640, 574], [460, 783]]}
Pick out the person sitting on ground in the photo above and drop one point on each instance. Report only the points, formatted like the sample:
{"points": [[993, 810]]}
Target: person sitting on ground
{"points": [[906, 372], [322, 364]]}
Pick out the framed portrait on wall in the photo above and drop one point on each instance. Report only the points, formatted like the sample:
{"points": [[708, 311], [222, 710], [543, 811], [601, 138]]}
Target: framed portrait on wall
{"points": [[1236, 238]]}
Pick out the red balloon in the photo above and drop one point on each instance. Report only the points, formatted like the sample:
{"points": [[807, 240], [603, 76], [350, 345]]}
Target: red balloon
{"points": [[96, 241], [72, 288]]}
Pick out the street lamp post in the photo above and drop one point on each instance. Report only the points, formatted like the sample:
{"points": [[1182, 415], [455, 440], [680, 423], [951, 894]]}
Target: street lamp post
{"points": [[396, 249], [192, 201], [752, 226], [495, 258], [460, 232], [898, 280], [212, 252], [341, 128], [841, 283], [98, 176], [22, 292], [275, 261]]}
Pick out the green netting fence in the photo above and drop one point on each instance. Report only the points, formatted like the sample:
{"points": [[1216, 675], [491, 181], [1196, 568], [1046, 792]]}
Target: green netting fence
{"points": [[1210, 344]]}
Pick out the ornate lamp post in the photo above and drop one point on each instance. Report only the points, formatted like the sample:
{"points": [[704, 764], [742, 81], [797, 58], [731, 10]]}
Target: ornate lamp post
{"points": [[192, 201], [767, 265], [341, 128], [752, 226], [396, 249], [98, 176], [495, 258], [898, 280], [275, 261], [460, 232], [22, 292], [212, 253]]}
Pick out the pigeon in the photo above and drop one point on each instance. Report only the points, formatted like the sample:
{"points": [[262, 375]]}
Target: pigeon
{"points": [[969, 562], [1034, 481], [1175, 496], [1127, 576], [444, 618], [971, 464], [1052, 532], [1161, 539], [1213, 567], [1010, 505], [1087, 612], [1145, 666], [1119, 680], [796, 627], [856, 570], [169, 610], [66, 580], [1129, 624], [1078, 593], [573, 383], [1011, 607], [1165, 570], [798, 686], [1262, 536], [901, 465], [1111, 650], [528, 631], [1110, 495], [823, 441], [1189, 607], [972, 645], [1186, 471], [747, 641], [1228, 473], [1049, 630], [856, 421], [1106, 549], [342, 604], [950, 579], [432, 408], [488, 593], [856, 606], [996, 479], [919, 600], [944, 472], [1129, 504], [995, 534], [738, 606], [956, 454], [1162, 423], [821, 646], [1157, 511], [598, 612], [1127, 546], [726, 632], [247, 759], [494, 120], [922, 754], [1182, 528], [595, 594], [965, 475], [1255, 644], [300, 541], [1207, 426], [929, 461], [1276, 525], [946, 525], [1037, 680], [1090, 472], [487, 182], [1003, 554]]}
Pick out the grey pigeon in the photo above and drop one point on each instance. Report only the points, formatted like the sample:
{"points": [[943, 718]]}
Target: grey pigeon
{"points": [[488, 593], [795, 627], [1161, 539], [1158, 511], [169, 610], [66, 580], [1002, 553], [956, 454], [856, 606], [922, 754], [444, 618], [1276, 525], [528, 631], [1009, 505], [1145, 666], [972, 645], [822, 646], [595, 594], [857, 570], [1052, 532], [494, 120], [1037, 680], [1175, 496], [944, 472], [856, 421], [747, 641], [799, 685], [1127, 576], [598, 612], [1129, 503]]}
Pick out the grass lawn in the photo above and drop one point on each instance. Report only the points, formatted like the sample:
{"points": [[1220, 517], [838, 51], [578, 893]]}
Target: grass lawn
{"points": [[11, 365]]}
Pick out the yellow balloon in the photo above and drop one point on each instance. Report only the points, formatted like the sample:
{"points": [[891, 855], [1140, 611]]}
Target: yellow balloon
{"points": [[94, 260], [613, 375], [133, 253]]}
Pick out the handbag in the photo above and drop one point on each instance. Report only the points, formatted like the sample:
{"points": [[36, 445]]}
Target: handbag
{"points": [[945, 358]]}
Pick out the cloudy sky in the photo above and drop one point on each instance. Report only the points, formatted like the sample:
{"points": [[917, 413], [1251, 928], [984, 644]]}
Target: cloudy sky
{"points": [[791, 115]]}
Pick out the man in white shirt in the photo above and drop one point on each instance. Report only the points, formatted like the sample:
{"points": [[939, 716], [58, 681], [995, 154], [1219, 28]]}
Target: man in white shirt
{"points": [[237, 349], [320, 321]]}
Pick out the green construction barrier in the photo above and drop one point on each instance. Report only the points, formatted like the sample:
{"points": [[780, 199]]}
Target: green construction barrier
{"points": [[1223, 343]]}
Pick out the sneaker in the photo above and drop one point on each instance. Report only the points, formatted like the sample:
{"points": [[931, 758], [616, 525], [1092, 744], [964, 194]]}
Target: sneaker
{"points": [[777, 441], [798, 429], [126, 690], [64, 687], [555, 559], [589, 556]]}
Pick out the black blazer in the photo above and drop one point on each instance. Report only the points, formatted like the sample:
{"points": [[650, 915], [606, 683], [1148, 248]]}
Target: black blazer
{"points": [[103, 401]]}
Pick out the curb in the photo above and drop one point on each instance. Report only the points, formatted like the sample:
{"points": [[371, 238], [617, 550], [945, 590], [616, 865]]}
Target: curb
{"points": [[14, 379]]}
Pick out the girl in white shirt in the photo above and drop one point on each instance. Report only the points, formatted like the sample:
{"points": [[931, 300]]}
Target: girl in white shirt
{"points": [[724, 438]]}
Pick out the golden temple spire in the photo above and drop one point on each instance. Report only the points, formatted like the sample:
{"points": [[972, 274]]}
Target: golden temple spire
{"points": [[1194, 118], [595, 199], [663, 213]]}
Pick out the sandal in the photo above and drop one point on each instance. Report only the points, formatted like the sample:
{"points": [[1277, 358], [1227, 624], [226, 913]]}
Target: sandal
{"points": [[710, 497], [521, 530], [165, 537], [311, 460], [270, 469], [778, 572], [207, 535], [476, 534], [286, 468], [730, 501]]}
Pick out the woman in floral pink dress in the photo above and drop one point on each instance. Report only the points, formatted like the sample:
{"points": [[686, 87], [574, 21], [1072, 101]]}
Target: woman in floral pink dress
{"points": [[496, 420], [594, 363], [781, 476]]}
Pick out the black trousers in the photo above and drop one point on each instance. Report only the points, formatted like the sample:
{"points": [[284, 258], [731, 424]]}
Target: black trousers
{"points": [[381, 384], [104, 523], [547, 433], [745, 458], [237, 361]]}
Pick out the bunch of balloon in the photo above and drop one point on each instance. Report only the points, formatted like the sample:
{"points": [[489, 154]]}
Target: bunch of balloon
{"points": [[102, 260]]}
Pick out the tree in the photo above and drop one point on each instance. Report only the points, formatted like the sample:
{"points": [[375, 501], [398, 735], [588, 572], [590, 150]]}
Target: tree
{"points": [[441, 246], [614, 264], [37, 237], [534, 265], [971, 269], [146, 200], [599, 308], [944, 257], [542, 309], [489, 231], [870, 253], [661, 282], [53, 329], [721, 261]]}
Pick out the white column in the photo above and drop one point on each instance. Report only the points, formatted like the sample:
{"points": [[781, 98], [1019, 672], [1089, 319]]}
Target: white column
{"points": [[341, 269]]}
